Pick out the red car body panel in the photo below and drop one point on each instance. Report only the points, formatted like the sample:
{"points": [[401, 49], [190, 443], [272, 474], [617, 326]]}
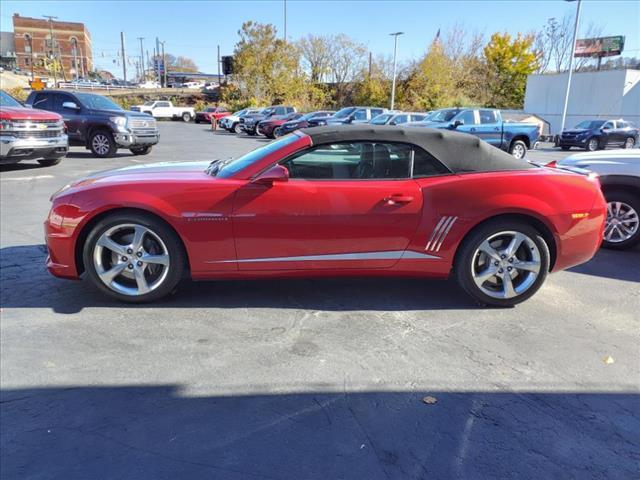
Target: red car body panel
{"points": [[24, 113], [232, 227]]}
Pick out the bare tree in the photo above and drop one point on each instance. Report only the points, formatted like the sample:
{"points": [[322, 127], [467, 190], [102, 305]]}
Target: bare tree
{"points": [[315, 52], [346, 60]]}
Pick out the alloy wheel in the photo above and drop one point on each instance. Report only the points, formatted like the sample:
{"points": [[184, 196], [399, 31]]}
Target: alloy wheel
{"points": [[131, 259], [592, 145], [100, 144], [629, 143], [622, 222], [506, 264], [518, 151]]}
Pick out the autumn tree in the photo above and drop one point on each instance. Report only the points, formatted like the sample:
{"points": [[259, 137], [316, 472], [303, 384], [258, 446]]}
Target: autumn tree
{"points": [[315, 51], [509, 61], [179, 63], [346, 62]]}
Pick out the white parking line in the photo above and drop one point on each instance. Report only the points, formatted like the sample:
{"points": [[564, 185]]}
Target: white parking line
{"points": [[35, 177]]}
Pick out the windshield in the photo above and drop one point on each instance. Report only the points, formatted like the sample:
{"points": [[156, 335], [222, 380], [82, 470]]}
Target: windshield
{"points": [[590, 124], [443, 115], [345, 112], [230, 167], [97, 102], [149, 104], [7, 100], [382, 119], [239, 112]]}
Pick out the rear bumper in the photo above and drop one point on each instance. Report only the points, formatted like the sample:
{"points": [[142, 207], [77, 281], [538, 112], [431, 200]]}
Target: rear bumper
{"points": [[14, 149]]}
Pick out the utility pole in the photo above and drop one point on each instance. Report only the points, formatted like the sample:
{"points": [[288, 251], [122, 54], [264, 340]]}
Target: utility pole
{"points": [[219, 65], [370, 64], [50, 18], [164, 63], [285, 21], [573, 51], [124, 57], [142, 75], [157, 60], [31, 55], [395, 51], [148, 62]]}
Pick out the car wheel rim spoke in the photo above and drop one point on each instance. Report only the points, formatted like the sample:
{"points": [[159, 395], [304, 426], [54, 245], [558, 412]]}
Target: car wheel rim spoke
{"points": [[506, 264], [622, 222], [131, 259]]}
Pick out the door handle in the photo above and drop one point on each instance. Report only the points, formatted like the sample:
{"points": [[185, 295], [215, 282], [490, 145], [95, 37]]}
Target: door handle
{"points": [[472, 129], [497, 129], [397, 199]]}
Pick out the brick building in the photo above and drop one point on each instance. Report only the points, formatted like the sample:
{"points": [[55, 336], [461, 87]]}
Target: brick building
{"points": [[71, 46]]}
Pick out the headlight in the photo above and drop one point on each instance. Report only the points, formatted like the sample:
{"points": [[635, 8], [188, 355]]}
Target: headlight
{"points": [[119, 121]]}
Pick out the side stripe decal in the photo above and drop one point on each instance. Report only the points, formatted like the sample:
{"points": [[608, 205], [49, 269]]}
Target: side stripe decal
{"points": [[391, 255], [440, 233]]}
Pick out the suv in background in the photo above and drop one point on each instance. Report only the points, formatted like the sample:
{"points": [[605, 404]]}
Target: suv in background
{"points": [[619, 175], [95, 122], [249, 122], [397, 118], [349, 115], [28, 134], [593, 135], [231, 123]]}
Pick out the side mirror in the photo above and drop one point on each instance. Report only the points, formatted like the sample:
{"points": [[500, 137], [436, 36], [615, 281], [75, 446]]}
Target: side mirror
{"points": [[277, 173], [393, 122], [457, 123], [605, 128], [70, 105]]}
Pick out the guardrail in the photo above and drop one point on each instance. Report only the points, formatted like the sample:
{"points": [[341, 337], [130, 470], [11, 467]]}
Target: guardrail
{"points": [[79, 86]]}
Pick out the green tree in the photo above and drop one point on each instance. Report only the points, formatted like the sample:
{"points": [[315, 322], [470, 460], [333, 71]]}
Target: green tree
{"points": [[509, 62], [375, 88]]}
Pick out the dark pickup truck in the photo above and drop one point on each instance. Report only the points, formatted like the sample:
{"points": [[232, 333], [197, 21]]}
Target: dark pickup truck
{"points": [[487, 124], [97, 123]]}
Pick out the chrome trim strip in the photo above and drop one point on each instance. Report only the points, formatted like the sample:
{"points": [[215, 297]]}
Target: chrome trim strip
{"points": [[433, 233], [391, 255], [446, 232]]}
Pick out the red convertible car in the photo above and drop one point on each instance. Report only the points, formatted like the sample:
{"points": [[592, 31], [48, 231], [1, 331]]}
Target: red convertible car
{"points": [[330, 201]]}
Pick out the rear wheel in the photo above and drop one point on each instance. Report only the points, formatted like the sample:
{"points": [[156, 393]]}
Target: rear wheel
{"points": [[49, 162], [502, 263], [629, 142], [622, 229], [186, 117], [133, 257], [518, 149]]}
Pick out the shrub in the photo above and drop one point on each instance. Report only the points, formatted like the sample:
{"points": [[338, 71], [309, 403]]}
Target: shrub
{"points": [[18, 93]]}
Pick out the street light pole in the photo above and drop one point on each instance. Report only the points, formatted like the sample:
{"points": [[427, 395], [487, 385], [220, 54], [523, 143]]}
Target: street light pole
{"points": [[573, 51], [142, 73], [395, 52], [164, 64]]}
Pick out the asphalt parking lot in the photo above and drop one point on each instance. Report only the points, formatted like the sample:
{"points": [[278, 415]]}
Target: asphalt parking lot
{"points": [[307, 379]]}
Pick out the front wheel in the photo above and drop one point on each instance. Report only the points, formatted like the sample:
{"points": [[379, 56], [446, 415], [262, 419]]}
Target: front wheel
{"points": [[102, 144], [49, 162], [518, 149], [502, 263], [592, 145], [277, 132], [236, 128], [629, 142], [622, 229], [186, 117], [133, 257], [143, 150]]}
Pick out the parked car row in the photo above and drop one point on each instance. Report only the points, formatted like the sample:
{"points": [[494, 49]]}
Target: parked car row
{"points": [[597, 134]]}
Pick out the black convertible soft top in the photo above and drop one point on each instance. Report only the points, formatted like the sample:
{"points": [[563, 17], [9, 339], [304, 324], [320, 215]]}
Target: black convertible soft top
{"points": [[459, 152]]}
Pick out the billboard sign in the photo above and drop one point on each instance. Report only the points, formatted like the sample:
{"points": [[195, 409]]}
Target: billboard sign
{"points": [[599, 47]]}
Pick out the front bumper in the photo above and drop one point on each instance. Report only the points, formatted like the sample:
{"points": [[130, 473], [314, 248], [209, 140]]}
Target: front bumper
{"points": [[14, 149], [572, 142], [134, 139]]}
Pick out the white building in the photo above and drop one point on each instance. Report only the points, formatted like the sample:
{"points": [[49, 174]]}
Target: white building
{"points": [[605, 94]]}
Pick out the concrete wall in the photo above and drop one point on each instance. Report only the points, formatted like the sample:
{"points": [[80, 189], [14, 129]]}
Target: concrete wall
{"points": [[604, 94]]}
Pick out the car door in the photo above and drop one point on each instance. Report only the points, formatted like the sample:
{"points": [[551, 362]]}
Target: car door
{"points": [[490, 128], [608, 134], [360, 116], [470, 122], [73, 118], [345, 205], [162, 110]]}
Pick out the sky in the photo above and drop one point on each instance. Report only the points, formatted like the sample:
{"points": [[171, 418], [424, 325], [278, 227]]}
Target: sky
{"points": [[195, 28]]}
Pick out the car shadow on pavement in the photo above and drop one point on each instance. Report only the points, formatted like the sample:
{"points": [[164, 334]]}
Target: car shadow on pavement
{"points": [[88, 154], [25, 283], [16, 167], [150, 432], [615, 264]]}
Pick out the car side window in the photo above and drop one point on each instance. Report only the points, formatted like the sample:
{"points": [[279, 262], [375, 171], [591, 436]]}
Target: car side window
{"points": [[400, 119], [360, 115], [352, 161], [42, 101], [488, 116], [417, 118], [59, 99], [375, 111], [608, 125], [467, 117], [426, 165]]}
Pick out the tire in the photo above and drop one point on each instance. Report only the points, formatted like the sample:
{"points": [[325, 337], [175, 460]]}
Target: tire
{"points": [[472, 263], [49, 162], [251, 133], [144, 150], [625, 208], [630, 142], [235, 128], [159, 242], [277, 132], [518, 149], [186, 117], [102, 144], [592, 145], [565, 148]]}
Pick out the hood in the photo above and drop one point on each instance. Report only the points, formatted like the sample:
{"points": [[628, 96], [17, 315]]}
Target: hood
{"points": [[124, 113], [23, 113], [160, 172]]}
